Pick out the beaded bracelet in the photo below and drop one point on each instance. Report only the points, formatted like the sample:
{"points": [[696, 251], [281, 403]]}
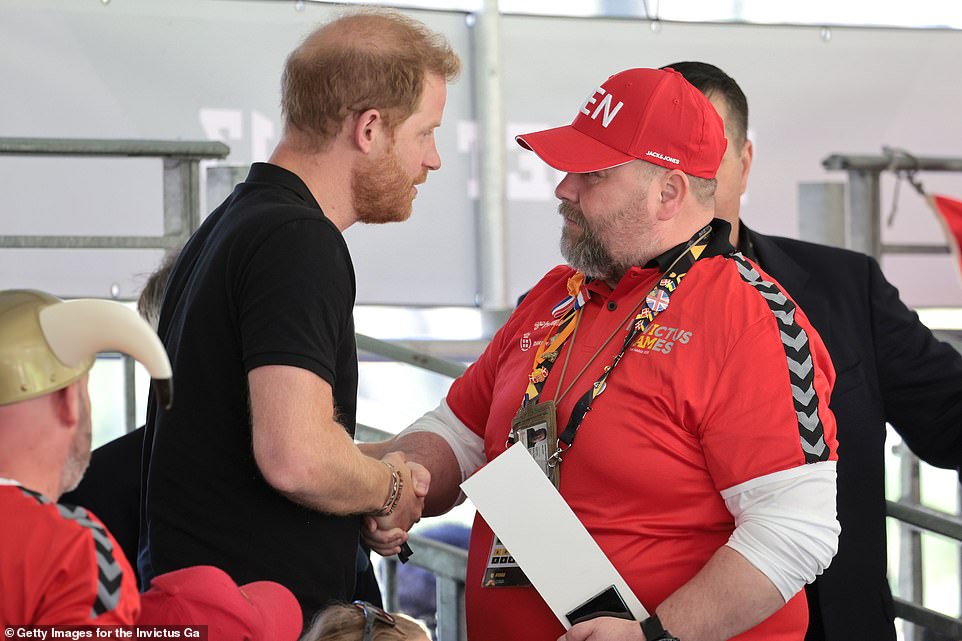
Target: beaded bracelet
{"points": [[394, 494]]}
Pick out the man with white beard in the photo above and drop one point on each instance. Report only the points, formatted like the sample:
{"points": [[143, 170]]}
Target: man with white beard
{"points": [[58, 563]]}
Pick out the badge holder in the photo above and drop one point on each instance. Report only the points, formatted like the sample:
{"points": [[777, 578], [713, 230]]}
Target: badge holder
{"points": [[535, 426], [536, 429], [502, 570]]}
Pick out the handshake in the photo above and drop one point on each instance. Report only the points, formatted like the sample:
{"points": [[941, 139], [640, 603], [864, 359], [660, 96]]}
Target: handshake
{"points": [[386, 531]]}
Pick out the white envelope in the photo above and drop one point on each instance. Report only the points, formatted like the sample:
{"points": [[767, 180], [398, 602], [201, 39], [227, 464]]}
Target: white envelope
{"points": [[543, 534]]}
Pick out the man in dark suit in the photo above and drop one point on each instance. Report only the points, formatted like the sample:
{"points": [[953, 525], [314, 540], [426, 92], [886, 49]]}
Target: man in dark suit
{"points": [[889, 367]]}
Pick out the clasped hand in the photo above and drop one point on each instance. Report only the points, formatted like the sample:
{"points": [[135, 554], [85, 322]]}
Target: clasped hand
{"points": [[385, 534]]}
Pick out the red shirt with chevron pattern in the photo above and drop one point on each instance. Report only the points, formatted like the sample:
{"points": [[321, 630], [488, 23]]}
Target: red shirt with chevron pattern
{"points": [[701, 403], [60, 566]]}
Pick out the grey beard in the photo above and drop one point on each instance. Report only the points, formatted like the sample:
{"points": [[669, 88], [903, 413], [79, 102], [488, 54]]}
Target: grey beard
{"points": [[587, 254], [73, 472]]}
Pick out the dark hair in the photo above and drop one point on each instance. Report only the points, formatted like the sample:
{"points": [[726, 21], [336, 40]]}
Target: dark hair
{"points": [[152, 295], [371, 59], [710, 80]]}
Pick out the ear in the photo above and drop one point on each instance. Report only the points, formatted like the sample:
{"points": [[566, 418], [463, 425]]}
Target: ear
{"points": [[672, 189], [66, 403], [367, 128], [745, 160]]}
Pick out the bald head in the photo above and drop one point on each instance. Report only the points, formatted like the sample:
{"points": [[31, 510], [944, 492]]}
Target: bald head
{"points": [[366, 60]]}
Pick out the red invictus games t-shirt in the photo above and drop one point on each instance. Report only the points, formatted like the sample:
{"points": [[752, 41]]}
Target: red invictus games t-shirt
{"points": [[60, 566], [700, 403]]}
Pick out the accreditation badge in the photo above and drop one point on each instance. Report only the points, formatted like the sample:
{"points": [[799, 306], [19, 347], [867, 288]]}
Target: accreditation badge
{"points": [[535, 426], [502, 571]]}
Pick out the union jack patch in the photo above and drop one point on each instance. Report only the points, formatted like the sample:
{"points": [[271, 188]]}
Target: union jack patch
{"points": [[658, 300]]}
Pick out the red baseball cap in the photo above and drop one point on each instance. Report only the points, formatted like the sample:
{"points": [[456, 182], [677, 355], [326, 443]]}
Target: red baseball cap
{"points": [[638, 114], [205, 595]]}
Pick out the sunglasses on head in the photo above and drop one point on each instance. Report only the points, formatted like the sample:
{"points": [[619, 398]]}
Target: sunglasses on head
{"points": [[373, 615]]}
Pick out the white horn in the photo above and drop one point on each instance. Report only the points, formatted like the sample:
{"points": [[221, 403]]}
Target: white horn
{"points": [[78, 329]]}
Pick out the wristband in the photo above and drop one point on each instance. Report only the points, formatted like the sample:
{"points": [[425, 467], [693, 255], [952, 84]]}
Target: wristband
{"points": [[655, 631], [394, 491]]}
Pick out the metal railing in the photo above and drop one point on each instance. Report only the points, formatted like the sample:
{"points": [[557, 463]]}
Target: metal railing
{"points": [[863, 232], [920, 518], [181, 177], [448, 563], [865, 199], [181, 202]]}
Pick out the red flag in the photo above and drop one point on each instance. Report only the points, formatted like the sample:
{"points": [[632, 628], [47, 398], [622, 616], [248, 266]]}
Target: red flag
{"points": [[950, 215]]}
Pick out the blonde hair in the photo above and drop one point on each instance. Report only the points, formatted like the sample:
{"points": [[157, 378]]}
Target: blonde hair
{"points": [[372, 59], [345, 622]]}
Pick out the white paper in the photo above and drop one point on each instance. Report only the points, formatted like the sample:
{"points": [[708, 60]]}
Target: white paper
{"points": [[543, 534]]}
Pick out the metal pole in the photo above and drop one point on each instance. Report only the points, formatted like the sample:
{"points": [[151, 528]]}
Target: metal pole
{"points": [[910, 540], [181, 197], [821, 213], [865, 213], [930, 520], [401, 354], [450, 600], [389, 589], [880, 163], [488, 96], [130, 393]]}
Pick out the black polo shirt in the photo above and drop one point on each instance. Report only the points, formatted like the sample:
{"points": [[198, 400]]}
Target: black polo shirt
{"points": [[266, 280]]}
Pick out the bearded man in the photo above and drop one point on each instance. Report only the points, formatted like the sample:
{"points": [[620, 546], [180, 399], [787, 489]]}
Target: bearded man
{"points": [[255, 470], [704, 465]]}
